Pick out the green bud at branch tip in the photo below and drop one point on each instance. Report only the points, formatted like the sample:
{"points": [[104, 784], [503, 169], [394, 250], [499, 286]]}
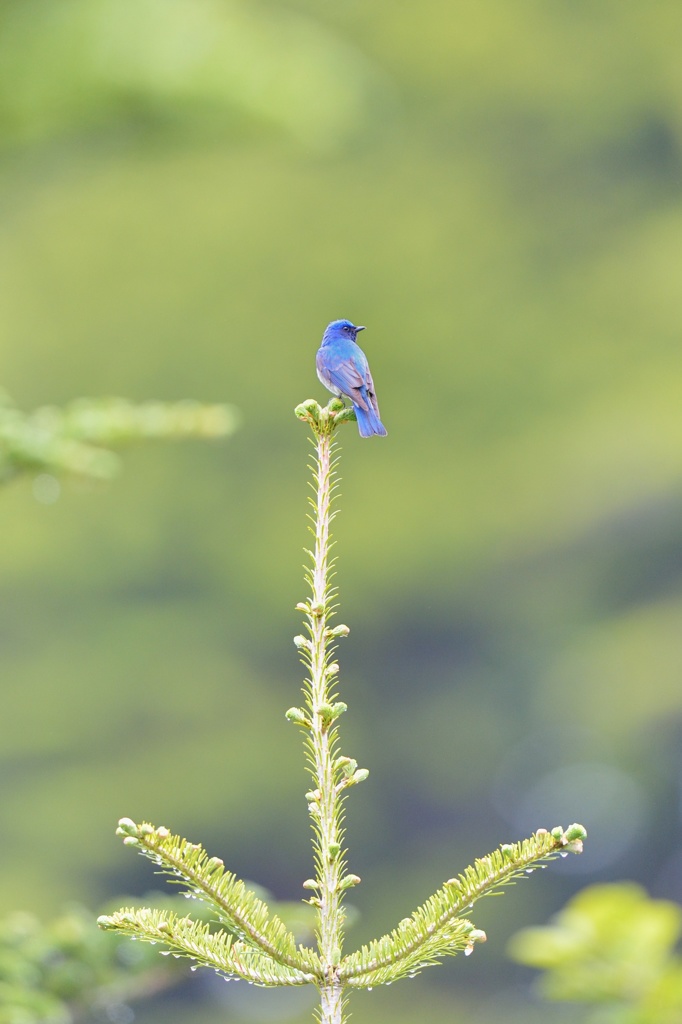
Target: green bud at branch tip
{"points": [[349, 881], [309, 410], [126, 826], [475, 935], [575, 831], [310, 883], [131, 841], [297, 716], [340, 630], [346, 415]]}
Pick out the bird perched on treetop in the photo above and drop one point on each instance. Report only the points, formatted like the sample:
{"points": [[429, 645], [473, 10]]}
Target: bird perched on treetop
{"points": [[343, 369]]}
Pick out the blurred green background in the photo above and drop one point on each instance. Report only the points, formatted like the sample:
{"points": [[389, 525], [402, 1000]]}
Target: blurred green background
{"points": [[190, 191]]}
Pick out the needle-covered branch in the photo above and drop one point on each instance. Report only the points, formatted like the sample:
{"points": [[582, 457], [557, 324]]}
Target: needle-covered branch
{"points": [[332, 773], [435, 930], [236, 907], [194, 939], [77, 440]]}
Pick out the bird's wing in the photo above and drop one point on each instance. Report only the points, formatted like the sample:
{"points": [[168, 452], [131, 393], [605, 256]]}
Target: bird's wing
{"points": [[348, 378], [371, 393]]}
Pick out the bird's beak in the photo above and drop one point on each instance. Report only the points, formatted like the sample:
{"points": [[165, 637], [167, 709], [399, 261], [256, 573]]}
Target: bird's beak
{"points": [[359, 328]]}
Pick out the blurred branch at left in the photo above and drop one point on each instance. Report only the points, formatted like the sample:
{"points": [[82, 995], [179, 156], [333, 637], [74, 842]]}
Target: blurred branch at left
{"points": [[78, 439], [66, 970]]}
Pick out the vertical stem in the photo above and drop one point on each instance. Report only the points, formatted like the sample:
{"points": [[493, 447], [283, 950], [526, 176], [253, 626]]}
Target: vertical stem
{"points": [[331, 1004], [329, 864], [325, 800]]}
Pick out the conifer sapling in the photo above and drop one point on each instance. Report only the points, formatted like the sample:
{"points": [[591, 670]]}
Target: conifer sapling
{"points": [[247, 940]]}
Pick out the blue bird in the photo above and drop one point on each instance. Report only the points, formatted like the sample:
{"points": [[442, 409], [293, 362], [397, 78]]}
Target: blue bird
{"points": [[343, 368]]}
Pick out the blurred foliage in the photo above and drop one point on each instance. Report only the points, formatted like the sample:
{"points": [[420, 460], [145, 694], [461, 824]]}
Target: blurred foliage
{"points": [[68, 969], [612, 947], [499, 198], [192, 64], [69, 440]]}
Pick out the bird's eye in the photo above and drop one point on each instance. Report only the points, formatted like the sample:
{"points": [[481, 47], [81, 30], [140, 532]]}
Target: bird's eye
{"points": [[347, 330]]}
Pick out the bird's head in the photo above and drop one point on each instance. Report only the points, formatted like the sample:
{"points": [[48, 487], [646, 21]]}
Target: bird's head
{"points": [[341, 329]]}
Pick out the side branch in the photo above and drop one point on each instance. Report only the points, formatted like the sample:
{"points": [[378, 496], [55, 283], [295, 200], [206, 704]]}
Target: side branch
{"points": [[435, 930], [237, 906], [195, 940]]}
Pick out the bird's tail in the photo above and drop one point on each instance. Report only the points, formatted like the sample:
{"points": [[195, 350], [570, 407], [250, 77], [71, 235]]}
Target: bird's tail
{"points": [[369, 422]]}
